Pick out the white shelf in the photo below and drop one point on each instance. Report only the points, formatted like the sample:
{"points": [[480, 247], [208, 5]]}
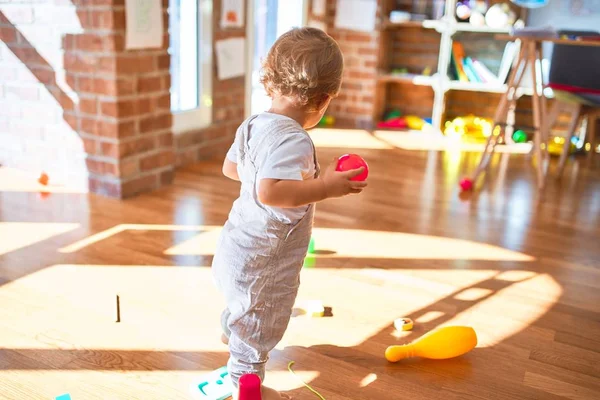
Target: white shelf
{"points": [[428, 24], [486, 88], [415, 79], [477, 87], [466, 27]]}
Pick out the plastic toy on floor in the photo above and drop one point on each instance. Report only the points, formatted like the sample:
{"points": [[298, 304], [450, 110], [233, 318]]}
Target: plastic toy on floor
{"points": [[469, 128], [250, 387], [404, 324], [216, 385], [466, 184], [442, 343], [349, 162], [556, 146], [311, 246], [43, 179]]}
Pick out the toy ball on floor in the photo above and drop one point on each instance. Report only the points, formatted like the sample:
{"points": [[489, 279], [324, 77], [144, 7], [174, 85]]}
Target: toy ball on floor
{"points": [[348, 162], [466, 184]]}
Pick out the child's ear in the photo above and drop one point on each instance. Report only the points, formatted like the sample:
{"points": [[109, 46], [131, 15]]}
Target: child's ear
{"points": [[323, 101]]}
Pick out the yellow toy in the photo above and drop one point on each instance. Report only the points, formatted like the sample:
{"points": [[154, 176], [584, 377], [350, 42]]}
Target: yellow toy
{"points": [[556, 146], [403, 324], [469, 128], [446, 342], [414, 122]]}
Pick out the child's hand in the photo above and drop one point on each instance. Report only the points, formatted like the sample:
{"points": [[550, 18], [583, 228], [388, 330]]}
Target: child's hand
{"points": [[338, 184]]}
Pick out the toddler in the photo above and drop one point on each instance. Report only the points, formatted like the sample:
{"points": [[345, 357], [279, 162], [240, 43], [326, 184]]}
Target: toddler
{"points": [[265, 239]]}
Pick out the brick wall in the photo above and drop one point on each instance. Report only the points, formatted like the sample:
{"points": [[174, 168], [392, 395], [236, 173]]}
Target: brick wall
{"points": [[228, 108], [354, 106], [35, 135], [79, 106]]}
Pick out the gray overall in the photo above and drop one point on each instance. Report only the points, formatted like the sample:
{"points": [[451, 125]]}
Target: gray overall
{"points": [[258, 261]]}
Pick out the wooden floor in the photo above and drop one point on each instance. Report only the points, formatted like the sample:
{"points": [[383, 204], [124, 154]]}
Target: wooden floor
{"points": [[523, 269]]}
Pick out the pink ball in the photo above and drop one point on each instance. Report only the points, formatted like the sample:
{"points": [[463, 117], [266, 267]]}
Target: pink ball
{"points": [[466, 184], [349, 162]]}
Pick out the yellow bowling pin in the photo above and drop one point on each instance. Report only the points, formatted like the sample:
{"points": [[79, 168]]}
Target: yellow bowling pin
{"points": [[445, 342]]}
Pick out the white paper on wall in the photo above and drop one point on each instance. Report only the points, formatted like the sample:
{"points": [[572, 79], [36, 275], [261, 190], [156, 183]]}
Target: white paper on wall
{"points": [[144, 24], [232, 13], [318, 7], [357, 15], [231, 61]]}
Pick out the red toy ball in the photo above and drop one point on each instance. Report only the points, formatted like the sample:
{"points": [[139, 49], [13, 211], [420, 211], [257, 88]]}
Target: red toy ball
{"points": [[466, 184], [349, 162], [250, 387]]}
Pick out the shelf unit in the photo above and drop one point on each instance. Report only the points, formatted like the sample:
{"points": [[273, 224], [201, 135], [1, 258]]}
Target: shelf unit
{"points": [[439, 83]]}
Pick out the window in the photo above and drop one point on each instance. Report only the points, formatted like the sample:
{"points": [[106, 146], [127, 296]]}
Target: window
{"points": [[272, 18], [190, 29]]}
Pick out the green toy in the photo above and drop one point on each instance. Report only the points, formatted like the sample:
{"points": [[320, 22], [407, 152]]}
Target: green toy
{"points": [[519, 136], [311, 246], [216, 385], [327, 120], [392, 114]]}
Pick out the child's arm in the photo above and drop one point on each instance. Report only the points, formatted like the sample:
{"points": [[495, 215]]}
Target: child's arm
{"points": [[293, 193], [230, 170]]}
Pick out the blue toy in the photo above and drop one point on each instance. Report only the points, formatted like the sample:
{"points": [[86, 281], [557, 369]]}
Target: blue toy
{"points": [[66, 396], [216, 385]]}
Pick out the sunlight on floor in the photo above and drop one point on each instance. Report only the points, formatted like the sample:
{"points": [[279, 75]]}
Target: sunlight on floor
{"points": [[14, 180], [209, 231], [73, 307], [338, 243], [334, 243], [16, 235], [367, 380]]}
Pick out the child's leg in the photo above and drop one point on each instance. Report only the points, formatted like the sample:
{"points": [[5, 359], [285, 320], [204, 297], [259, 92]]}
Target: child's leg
{"points": [[258, 322]]}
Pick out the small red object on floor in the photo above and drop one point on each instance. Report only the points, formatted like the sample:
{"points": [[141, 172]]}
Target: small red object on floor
{"points": [[466, 184], [43, 179], [250, 387], [349, 162]]}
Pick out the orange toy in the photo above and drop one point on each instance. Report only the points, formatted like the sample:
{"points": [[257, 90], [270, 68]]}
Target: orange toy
{"points": [[43, 179], [442, 343]]}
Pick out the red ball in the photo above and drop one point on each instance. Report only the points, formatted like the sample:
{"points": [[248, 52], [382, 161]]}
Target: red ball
{"points": [[466, 184], [249, 387], [349, 162]]}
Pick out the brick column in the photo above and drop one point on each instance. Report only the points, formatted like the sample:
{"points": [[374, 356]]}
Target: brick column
{"points": [[354, 106], [123, 110]]}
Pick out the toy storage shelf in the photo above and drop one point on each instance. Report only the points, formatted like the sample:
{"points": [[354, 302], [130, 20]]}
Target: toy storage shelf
{"points": [[486, 88], [465, 27], [429, 24], [415, 79], [427, 43]]}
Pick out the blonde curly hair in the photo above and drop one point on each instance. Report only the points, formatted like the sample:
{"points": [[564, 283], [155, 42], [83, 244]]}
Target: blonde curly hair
{"points": [[303, 64]]}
